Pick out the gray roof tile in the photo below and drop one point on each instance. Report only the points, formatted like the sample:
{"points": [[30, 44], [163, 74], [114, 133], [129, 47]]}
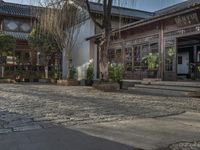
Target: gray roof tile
{"points": [[127, 12], [16, 9], [178, 7], [17, 35]]}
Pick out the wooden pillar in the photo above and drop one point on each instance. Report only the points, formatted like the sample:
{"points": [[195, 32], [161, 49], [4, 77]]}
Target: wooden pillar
{"points": [[195, 59], [161, 41], [98, 57]]}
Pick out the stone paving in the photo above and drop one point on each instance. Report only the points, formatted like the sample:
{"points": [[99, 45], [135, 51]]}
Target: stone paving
{"points": [[27, 107]]}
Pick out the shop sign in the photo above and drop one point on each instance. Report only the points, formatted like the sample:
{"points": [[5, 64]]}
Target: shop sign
{"points": [[188, 19]]}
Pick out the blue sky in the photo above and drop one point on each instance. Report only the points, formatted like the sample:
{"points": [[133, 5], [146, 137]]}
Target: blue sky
{"points": [[148, 5], [22, 1]]}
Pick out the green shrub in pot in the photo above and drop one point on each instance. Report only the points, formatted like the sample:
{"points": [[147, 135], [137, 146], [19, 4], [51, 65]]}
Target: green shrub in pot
{"points": [[116, 72]]}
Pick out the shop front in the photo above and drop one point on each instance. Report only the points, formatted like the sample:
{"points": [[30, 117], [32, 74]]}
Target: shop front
{"points": [[172, 39]]}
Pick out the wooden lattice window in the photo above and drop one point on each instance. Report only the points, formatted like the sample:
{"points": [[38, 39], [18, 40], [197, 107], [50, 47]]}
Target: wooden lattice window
{"points": [[154, 48], [145, 49], [119, 57], [137, 56], [111, 54], [169, 58], [128, 59]]}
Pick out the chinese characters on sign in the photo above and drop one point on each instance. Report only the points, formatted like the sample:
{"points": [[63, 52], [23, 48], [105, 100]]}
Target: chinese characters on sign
{"points": [[186, 20]]}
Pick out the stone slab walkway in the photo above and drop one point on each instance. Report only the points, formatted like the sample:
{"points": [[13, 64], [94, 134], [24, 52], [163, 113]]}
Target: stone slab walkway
{"points": [[29, 106], [49, 117], [57, 139], [145, 134], [149, 133]]}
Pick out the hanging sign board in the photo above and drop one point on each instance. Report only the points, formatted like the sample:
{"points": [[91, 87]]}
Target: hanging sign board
{"points": [[188, 19]]}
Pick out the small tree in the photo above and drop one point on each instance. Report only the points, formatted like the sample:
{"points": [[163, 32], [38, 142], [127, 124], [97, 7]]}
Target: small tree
{"points": [[106, 25], [63, 19], [44, 43], [7, 47]]}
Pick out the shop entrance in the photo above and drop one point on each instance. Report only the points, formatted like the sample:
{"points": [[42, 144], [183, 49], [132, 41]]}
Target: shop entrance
{"points": [[188, 58]]}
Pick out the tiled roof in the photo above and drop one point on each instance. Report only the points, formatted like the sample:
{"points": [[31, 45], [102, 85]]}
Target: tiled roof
{"points": [[178, 7], [127, 12], [30, 11], [161, 14], [17, 35], [16, 9]]}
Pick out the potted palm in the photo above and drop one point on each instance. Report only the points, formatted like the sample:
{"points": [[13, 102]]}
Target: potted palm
{"points": [[151, 60]]}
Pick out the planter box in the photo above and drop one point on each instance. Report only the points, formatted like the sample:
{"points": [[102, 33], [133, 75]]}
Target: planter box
{"points": [[68, 82], [7, 81], [152, 73], [35, 80], [26, 80], [194, 94], [88, 82], [107, 87], [44, 80], [53, 81]]}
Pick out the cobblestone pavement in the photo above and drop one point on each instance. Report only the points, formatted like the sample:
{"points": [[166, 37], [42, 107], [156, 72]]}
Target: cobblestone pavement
{"points": [[26, 107]]}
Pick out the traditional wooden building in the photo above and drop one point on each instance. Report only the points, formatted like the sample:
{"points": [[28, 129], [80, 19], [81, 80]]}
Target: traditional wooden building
{"points": [[173, 33], [84, 51], [17, 20]]}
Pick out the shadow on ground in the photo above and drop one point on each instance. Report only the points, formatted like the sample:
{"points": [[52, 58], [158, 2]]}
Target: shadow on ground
{"points": [[55, 138]]}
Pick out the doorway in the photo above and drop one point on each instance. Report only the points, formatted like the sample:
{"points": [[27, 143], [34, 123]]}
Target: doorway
{"points": [[188, 58]]}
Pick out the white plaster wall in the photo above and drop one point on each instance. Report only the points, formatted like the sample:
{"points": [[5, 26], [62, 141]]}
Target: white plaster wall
{"points": [[81, 53], [64, 65], [95, 59]]}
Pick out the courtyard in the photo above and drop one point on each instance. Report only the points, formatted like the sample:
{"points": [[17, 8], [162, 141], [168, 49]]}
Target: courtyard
{"points": [[87, 116]]}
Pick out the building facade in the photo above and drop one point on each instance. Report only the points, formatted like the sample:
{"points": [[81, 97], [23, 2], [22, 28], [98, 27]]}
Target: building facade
{"points": [[173, 33], [85, 51], [17, 20]]}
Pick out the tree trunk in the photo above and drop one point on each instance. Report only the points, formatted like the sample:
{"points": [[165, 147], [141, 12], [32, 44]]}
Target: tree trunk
{"points": [[104, 72], [46, 69], [69, 68], [2, 71], [103, 64], [106, 25]]}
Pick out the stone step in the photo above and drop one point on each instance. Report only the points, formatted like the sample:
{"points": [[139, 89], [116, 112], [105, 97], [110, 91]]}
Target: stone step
{"points": [[170, 88], [171, 83], [129, 83], [159, 92]]}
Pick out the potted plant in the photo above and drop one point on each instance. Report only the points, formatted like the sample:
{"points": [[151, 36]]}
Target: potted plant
{"points": [[115, 74], [198, 72], [90, 75], [192, 70], [71, 78], [151, 60], [54, 75]]}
